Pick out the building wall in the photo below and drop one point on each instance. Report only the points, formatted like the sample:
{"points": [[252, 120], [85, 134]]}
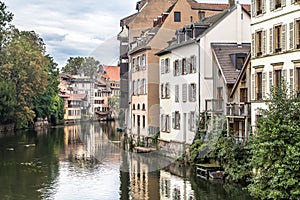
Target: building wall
{"points": [[269, 60]]}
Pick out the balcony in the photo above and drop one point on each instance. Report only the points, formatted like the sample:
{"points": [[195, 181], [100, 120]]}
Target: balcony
{"points": [[238, 109], [214, 105]]}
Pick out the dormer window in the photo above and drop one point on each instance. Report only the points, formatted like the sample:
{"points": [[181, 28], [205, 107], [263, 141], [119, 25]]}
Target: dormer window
{"points": [[238, 60]]}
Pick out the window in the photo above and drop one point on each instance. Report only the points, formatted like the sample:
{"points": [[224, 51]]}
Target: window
{"points": [[162, 91], [167, 90], [258, 43], [138, 106], [219, 98], [144, 86], [193, 64], [192, 92], [177, 17], [184, 92], [277, 4], [176, 68], [138, 63], [297, 29], [184, 66], [162, 66], [143, 61], [240, 60], [297, 80], [277, 38], [143, 107], [133, 64], [133, 107], [167, 123], [133, 121], [277, 77], [176, 120], [243, 94], [259, 7], [167, 65], [176, 93], [259, 86]]}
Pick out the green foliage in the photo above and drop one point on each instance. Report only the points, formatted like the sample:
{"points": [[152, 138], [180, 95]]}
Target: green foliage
{"points": [[5, 16], [275, 149], [81, 65], [8, 102], [234, 158], [194, 150]]}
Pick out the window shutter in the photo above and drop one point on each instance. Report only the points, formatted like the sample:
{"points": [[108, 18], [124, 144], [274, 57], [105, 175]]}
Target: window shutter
{"points": [[174, 69], [176, 93], [194, 64], [284, 75], [292, 35], [271, 40], [264, 83], [188, 61], [184, 92], [270, 80], [291, 81], [185, 66], [252, 86], [173, 120], [272, 5], [180, 67], [190, 92], [253, 45], [189, 121], [283, 36], [283, 3], [178, 120], [168, 123], [162, 66], [264, 6], [253, 10], [264, 41], [161, 122]]}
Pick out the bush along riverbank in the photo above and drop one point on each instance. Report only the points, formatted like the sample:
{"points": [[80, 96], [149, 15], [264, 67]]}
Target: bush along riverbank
{"points": [[268, 162]]}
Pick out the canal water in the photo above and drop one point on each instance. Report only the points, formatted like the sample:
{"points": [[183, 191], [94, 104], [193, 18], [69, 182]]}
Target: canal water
{"points": [[86, 161]]}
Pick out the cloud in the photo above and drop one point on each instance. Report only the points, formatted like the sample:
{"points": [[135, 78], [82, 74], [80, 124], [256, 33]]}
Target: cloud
{"points": [[72, 28]]}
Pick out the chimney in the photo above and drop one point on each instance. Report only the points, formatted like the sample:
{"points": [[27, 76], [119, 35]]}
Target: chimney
{"points": [[231, 3]]}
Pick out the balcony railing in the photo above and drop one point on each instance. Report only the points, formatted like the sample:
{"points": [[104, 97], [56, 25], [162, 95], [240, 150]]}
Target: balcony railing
{"points": [[214, 105], [239, 109]]}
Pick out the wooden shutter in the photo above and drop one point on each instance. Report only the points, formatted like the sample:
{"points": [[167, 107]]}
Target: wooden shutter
{"points": [[291, 26], [264, 83], [291, 81], [270, 80], [283, 3], [176, 93], [180, 67], [253, 8], [253, 45], [253, 86], [194, 64], [188, 61], [272, 5], [263, 3], [184, 92], [283, 37], [162, 66], [173, 120], [264, 42], [271, 40], [284, 76]]}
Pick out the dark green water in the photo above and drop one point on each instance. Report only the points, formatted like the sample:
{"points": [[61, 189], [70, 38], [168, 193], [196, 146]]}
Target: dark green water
{"points": [[86, 162]]}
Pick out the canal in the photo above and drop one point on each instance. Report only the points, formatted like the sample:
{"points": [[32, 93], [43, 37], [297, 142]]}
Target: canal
{"points": [[86, 161]]}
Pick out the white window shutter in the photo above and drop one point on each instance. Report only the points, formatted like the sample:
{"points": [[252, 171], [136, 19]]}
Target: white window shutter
{"points": [[180, 67], [252, 86], [189, 121], [184, 92], [272, 5], [174, 69], [168, 123], [253, 45], [162, 66], [179, 120], [270, 80], [283, 3], [173, 120], [194, 64], [161, 122], [264, 83], [284, 75], [253, 8], [291, 26], [283, 37], [188, 65], [291, 81], [264, 42], [263, 6], [271, 40]]}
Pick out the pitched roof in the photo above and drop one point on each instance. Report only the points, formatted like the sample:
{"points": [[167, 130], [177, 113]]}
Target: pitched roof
{"points": [[113, 72], [222, 52], [215, 6], [128, 19], [77, 97]]}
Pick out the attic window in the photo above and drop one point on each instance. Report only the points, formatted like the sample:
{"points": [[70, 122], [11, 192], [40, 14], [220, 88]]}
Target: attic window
{"points": [[238, 60], [177, 17]]}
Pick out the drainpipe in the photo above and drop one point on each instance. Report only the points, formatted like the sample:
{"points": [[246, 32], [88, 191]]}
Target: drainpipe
{"points": [[199, 76]]}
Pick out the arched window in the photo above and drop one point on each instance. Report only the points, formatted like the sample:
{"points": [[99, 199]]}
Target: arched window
{"points": [[138, 106], [143, 107]]}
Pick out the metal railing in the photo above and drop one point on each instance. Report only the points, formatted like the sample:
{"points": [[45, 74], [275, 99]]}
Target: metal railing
{"points": [[238, 109]]}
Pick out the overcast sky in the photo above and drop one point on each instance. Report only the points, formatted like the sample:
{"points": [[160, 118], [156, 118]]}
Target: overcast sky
{"points": [[75, 28]]}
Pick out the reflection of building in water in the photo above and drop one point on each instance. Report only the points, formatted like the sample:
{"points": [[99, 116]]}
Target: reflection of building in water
{"points": [[143, 183], [173, 187], [87, 141]]}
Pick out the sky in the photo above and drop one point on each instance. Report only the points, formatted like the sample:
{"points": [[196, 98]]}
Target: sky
{"points": [[76, 28]]}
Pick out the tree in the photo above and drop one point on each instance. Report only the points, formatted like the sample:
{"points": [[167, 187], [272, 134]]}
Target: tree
{"points": [[5, 16], [275, 148], [73, 65], [8, 102]]}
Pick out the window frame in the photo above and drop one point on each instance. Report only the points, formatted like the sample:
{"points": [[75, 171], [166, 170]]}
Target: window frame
{"points": [[177, 16]]}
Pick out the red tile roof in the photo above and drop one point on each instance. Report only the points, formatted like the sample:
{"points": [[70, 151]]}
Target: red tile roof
{"points": [[112, 72]]}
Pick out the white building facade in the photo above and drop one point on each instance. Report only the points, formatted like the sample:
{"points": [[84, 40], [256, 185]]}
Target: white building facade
{"points": [[275, 49]]}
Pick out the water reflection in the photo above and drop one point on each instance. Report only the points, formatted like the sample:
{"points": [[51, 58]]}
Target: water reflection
{"points": [[86, 161]]}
